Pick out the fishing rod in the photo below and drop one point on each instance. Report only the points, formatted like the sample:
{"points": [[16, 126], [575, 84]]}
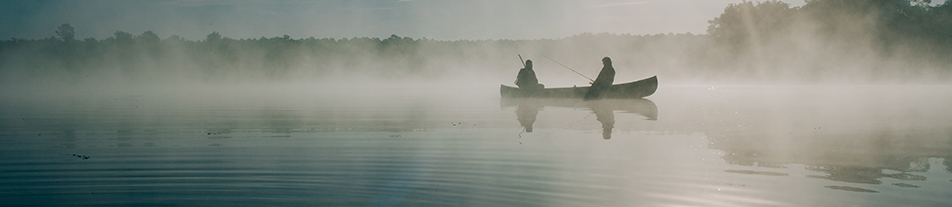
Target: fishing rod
{"points": [[567, 67]]}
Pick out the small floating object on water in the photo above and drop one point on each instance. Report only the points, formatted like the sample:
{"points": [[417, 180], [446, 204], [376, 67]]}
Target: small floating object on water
{"points": [[81, 156]]}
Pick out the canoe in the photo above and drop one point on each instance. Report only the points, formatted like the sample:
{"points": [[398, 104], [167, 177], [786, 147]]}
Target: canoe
{"points": [[636, 89]]}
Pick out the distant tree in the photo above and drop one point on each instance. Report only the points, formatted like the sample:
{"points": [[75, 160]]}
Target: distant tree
{"points": [[123, 37], [175, 38], [148, 36], [214, 37], [65, 32]]}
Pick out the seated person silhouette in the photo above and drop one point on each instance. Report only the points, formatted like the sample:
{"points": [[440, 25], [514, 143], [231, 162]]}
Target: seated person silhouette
{"points": [[604, 80], [526, 79]]}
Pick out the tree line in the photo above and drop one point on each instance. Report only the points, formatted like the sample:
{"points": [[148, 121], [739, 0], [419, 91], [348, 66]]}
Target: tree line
{"points": [[766, 40], [914, 30]]}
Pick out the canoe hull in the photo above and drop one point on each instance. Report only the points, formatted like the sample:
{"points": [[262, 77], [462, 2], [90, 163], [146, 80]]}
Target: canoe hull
{"points": [[636, 89]]}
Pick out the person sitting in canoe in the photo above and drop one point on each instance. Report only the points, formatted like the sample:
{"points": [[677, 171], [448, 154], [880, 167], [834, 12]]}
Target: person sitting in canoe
{"points": [[603, 81], [526, 79]]}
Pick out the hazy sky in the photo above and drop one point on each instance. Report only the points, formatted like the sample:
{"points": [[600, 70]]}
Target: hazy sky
{"points": [[434, 19]]}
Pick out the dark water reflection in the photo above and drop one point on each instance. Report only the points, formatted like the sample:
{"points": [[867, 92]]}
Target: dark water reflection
{"points": [[528, 108], [745, 146]]}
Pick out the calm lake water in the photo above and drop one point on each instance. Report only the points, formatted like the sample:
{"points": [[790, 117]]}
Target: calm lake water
{"points": [[683, 146]]}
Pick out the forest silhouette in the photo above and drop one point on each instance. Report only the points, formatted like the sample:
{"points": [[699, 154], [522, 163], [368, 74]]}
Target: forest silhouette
{"points": [[823, 40]]}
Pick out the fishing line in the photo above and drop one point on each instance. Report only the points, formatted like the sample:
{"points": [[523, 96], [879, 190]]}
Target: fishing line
{"points": [[567, 67]]}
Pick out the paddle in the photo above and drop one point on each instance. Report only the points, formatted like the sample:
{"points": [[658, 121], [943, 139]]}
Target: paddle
{"points": [[523, 61], [523, 66]]}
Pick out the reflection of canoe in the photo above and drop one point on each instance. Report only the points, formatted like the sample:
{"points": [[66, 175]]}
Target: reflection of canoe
{"points": [[639, 106], [637, 89]]}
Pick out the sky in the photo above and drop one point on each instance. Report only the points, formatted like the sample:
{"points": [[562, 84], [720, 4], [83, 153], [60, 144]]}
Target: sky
{"points": [[432, 19]]}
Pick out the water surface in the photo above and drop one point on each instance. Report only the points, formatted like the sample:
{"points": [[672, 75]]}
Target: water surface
{"points": [[695, 146]]}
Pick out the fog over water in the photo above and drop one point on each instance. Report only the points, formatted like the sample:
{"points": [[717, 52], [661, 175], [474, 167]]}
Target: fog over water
{"points": [[826, 42], [819, 103]]}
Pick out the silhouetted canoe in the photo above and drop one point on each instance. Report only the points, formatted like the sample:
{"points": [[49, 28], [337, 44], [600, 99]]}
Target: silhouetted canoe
{"points": [[637, 89]]}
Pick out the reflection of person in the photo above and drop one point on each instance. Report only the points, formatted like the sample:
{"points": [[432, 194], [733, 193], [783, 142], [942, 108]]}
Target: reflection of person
{"points": [[526, 114], [526, 79], [604, 80], [604, 115]]}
